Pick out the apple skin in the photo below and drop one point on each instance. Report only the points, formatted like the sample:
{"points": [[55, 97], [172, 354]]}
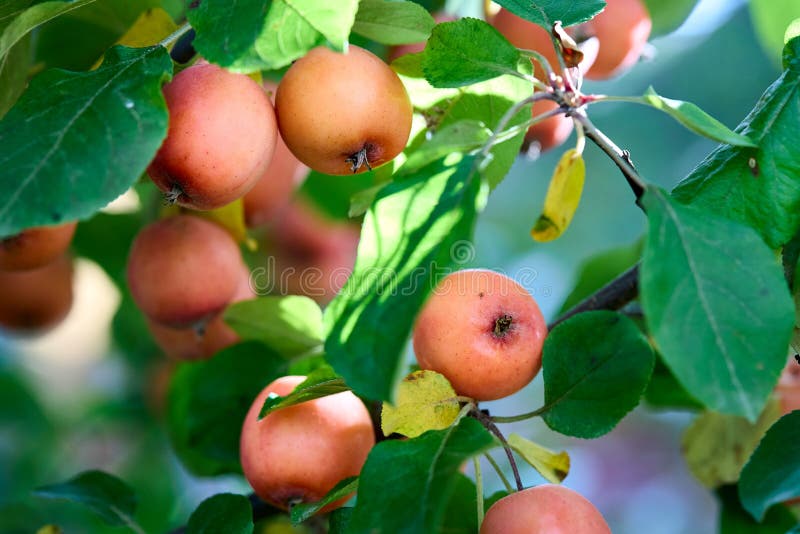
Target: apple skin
{"points": [[35, 247], [183, 270], [273, 191], [455, 334], [222, 134], [788, 388], [187, 344], [35, 300], [545, 509], [622, 29], [330, 106], [313, 255], [301, 452]]}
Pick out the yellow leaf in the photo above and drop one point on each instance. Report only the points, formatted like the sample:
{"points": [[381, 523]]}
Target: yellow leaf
{"points": [[230, 217], [716, 446], [425, 401], [152, 25], [50, 529], [563, 196], [553, 466]]}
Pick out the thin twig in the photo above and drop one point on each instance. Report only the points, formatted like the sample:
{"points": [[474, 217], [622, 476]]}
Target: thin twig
{"points": [[174, 36], [611, 296], [620, 157], [499, 472], [487, 422]]}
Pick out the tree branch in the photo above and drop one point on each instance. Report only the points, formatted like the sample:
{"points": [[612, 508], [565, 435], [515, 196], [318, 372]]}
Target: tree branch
{"points": [[612, 296]]}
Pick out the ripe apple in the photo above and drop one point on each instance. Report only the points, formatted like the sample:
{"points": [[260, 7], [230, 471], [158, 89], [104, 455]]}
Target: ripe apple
{"points": [[36, 299], [35, 247]]}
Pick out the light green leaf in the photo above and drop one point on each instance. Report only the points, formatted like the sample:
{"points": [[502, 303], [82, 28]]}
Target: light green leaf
{"points": [[392, 22], [322, 382], [301, 512], [546, 12], [425, 401]]}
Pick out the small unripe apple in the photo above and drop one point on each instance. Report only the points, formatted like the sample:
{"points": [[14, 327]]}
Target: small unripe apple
{"points": [[221, 137], [36, 299], [482, 331], [299, 453], [183, 270], [545, 509], [343, 113], [35, 247]]}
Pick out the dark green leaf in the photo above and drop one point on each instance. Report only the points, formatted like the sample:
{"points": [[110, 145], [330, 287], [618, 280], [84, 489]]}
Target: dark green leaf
{"points": [[301, 512], [461, 514], [716, 305], [76, 141], [694, 119], [467, 51], [405, 485], [667, 16], [546, 12], [405, 242], [735, 520], [105, 494], [208, 401], [224, 513], [392, 22], [226, 31], [772, 474], [600, 269], [320, 383], [14, 73], [25, 21], [596, 366], [664, 390], [339, 520], [290, 325], [757, 187]]}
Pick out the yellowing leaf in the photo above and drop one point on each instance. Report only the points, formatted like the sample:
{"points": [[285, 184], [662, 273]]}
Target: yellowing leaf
{"points": [[563, 196], [230, 217], [716, 446], [425, 401], [553, 466], [50, 529], [151, 26]]}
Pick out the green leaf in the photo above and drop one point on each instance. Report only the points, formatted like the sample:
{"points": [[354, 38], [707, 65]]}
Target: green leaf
{"points": [[14, 73], [486, 102], [460, 515], [735, 520], [716, 305], [413, 498], [770, 20], [392, 22], [106, 495], [293, 27], [596, 366], [772, 474], [425, 401], [301, 512], [664, 390], [290, 325], [460, 136], [668, 16], [405, 241], [208, 401], [553, 466], [224, 513], [226, 31], [694, 119], [76, 141], [757, 187], [320, 383], [25, 21], [467, 51], [339, 520], [716, 446], [546, 12]]}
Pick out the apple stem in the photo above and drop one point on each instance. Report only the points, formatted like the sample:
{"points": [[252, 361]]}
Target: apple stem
{"points": [[484, 418], [358, 159], [478, 488]]}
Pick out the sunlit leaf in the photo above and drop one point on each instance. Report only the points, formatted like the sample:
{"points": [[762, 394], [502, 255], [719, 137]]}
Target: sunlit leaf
{"points": [[425, 401], [563, 196]]}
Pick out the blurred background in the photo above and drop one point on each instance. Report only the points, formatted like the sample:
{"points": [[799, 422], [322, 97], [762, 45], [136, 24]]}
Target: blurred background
{"points": [[89, 394]]}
